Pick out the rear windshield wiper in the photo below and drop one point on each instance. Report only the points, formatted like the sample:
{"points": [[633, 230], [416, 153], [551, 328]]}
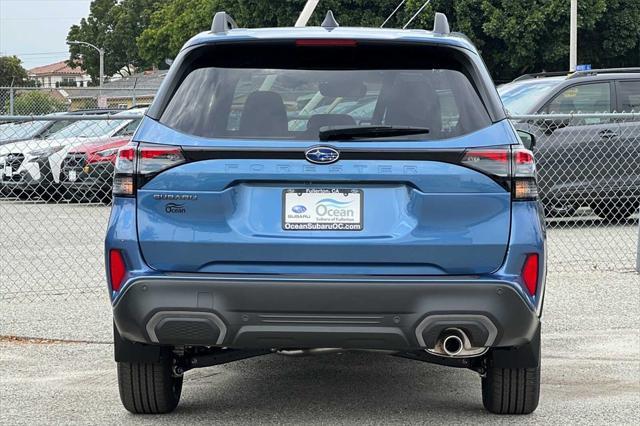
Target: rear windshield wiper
{"points": [[330, 133]]}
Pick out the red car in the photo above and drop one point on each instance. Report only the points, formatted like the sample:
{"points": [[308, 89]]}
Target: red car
{"points": [[87, 171]]}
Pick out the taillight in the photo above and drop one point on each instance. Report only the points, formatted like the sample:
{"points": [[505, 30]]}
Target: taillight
{"points": [[506, 162], [117, 269], [135, 165], [123, 184], [491, 161], [525, 186], [530, 273], [155, 158]]}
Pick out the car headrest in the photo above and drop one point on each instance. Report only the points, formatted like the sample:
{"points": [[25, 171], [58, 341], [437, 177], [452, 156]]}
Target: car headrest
{"points": [[320, 120], [264, 114], [414, 104]]}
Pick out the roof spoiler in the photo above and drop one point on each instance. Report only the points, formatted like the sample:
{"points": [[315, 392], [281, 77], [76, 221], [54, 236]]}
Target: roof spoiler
{"points": [[222, 22], [441, 24]]}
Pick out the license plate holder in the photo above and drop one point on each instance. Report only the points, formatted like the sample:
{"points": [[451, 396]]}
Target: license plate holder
{"points": [[322, 209]]}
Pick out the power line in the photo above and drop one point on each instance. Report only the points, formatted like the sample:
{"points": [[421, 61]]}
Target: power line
{"points": [[416, 14], [393, 13], [37, 53], [42, 18], [45, 1]]}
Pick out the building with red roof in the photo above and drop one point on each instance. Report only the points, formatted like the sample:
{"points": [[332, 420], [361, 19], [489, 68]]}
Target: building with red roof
{"points": [[59, 75]]}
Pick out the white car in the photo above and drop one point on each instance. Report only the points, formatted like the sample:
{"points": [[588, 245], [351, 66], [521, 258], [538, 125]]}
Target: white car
{"points": [[35, 165]]}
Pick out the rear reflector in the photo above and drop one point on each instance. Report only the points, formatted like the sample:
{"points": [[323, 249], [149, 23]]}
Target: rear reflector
{"points": [[117, 269], [326, 42], [530, 273]]}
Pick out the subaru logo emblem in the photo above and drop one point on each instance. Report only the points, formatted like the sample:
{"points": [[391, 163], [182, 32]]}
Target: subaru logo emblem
{"points": [[299, 209], [322, 155]]}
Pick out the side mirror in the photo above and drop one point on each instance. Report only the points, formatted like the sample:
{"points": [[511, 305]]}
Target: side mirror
{"points": [[528, 140], [550, 125]]}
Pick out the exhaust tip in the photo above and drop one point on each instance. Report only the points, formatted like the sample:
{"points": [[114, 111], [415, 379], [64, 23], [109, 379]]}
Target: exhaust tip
{"points": [[452, 345]]}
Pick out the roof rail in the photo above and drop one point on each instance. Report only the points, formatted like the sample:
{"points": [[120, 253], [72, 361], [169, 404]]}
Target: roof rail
{"points": [[441, 24], [576, 74], [542, 74], [222, 22], [605, 71]]}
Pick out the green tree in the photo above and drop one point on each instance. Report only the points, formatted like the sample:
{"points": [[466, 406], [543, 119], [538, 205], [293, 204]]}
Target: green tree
{"points": [[178, 20], [11, 72], [514, 36], [114, 26], [36, 102], [519, 36]]}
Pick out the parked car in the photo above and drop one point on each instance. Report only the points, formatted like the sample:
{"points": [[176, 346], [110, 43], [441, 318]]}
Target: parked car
{"points": [[87, 170], [583, 162], [34, 166], [41, 129], [417, 234]]}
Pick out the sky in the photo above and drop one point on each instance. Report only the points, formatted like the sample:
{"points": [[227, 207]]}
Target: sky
{"points": [[36, 30]]}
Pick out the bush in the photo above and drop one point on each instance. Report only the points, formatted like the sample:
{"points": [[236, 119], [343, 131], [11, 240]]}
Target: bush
{"points": [[37, 103]]}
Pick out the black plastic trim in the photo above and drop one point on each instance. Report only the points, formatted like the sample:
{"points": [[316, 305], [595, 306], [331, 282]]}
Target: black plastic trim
{"points": [[200, 154], [359, 314]]}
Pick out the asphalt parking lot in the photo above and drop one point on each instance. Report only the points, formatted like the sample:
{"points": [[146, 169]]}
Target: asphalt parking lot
{"points": [[591, 345]]}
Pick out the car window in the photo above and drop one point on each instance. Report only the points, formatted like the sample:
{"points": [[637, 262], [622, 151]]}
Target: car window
{"points": [[583, 98], [522, 97], [129, 129], [294, 105], [22, 130], [629, 95], [87, 129], [55, 127], [289, 96], [449, 108]]}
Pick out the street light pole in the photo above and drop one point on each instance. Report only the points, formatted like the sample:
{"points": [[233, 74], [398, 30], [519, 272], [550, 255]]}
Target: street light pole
{"points": [[573, 36], [100, 51]]}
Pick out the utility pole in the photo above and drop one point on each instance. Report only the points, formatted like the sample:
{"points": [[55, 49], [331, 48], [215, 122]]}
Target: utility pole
{"points": [[573, 36]]}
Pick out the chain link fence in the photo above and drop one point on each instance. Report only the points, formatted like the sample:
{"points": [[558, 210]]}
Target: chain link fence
{"points": [[589, 183], [41, 101], [56, 178]]}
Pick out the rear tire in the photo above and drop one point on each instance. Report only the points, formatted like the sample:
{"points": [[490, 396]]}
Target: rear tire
{"points": [[149, 387], [559, 210], [511, 390]]}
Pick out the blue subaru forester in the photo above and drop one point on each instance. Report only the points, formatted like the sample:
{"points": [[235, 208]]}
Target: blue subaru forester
{"points": [[319, 189]]}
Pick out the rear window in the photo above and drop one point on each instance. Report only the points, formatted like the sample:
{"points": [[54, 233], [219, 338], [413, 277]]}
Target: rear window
{"points": [[293, 93]]}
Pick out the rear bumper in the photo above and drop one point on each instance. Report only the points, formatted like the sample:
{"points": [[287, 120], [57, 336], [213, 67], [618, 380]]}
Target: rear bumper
{"points": [[23, 182], [90, 185], [99, 178], [362, 313]]}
